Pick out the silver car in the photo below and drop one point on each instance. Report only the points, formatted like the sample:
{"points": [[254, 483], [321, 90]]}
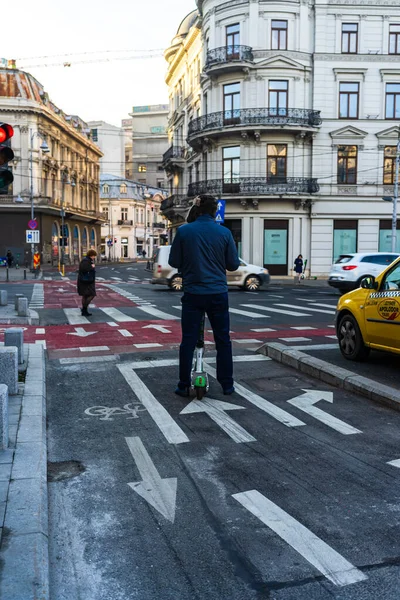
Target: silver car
{"points": [[249, 277], [349, 269]]}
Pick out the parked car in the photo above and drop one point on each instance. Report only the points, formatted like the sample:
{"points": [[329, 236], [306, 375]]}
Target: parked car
{"points": [[249, 277], [369, 317], [348, 271]]}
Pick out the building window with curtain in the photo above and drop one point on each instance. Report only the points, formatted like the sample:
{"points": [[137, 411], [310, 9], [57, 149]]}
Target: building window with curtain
{"points": [[347, 164], [231, 169], [279, 31], [348, 100], [389, 165], [392, 101], [276, 162], [231, 103], [349, 38], [394, 39], [232, 41], [278, 97]]}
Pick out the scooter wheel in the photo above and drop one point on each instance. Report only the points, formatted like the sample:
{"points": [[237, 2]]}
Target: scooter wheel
{"points": [[200, 392]]}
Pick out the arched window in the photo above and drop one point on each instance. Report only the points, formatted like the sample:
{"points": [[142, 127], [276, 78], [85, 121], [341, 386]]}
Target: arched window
{"points": [[123, 189], [93, 239], [106, 188]]}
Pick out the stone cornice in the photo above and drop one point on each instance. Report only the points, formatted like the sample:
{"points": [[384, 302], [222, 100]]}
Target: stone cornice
{"points": [[356, 57]]}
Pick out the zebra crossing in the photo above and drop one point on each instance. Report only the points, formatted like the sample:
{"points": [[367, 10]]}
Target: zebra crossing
{"points": [[37, 300]]}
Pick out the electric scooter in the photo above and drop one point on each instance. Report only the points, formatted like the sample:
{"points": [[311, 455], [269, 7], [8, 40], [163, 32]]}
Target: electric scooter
{"points": [[199, 379]]}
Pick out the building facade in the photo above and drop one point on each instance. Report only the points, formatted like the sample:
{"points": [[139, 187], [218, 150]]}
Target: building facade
{"points": [[111, 141], [149, 142], [63, 178], [296, 127], [132, 219]]}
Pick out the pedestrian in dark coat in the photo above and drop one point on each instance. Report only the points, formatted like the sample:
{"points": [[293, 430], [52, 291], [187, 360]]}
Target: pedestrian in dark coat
{"points": [[10, 259], [298, 267], [87, 281]]}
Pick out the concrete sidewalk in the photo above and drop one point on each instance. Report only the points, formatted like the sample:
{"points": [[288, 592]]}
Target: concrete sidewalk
{"points": [[19, 275], [23, 489], [9, 316]]}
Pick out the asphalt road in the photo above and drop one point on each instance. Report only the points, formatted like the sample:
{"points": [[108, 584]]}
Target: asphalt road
{"points": [[242, 502]]}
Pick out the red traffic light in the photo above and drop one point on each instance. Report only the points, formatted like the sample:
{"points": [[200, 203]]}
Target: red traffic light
{"points": [[6, 132]]}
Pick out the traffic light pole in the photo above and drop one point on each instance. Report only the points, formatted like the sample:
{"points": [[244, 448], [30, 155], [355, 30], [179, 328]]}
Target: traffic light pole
{"points": [[395, 197]]}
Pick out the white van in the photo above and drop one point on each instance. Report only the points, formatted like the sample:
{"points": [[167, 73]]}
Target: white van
{"points": [[248, 277]]}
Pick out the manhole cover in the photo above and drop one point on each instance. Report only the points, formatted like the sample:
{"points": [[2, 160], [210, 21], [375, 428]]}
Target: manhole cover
{"points": [[59, 471]]}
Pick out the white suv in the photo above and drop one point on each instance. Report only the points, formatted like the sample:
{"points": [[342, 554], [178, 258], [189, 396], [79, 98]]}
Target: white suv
{"points": [[349, 269], [248, 277]]}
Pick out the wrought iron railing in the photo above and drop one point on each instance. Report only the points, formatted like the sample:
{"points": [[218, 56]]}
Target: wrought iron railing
{"points": [[173, 152], [257, 117], [174, 201], [125, 222], [228, 54], [255, 186]]}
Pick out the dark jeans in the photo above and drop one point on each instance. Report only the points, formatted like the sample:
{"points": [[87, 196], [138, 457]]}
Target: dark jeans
{"points": [[217, 309]]}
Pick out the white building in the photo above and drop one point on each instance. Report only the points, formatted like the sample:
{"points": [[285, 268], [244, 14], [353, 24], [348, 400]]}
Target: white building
{"points": [[111, 141], [296, 111], [149, 142], [133, 220]]}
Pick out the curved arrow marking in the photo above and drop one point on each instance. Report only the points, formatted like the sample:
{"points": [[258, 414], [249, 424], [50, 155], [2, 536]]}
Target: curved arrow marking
{"points": [[160, 493], [306, 402]]}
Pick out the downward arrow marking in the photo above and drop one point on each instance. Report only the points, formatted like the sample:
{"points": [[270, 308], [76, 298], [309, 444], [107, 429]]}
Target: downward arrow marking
{"points": [[160, 493], [306, 402]]}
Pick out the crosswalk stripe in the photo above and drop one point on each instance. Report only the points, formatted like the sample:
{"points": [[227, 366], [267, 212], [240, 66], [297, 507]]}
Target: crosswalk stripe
{"points": [[246, 313], [74, 317], [116, 278], [264, 330], [116, 314], [157, 313], [295, 339], [309, 308], [303, 328], [125, 332], [314, 303], [279, 311], [37, 300]]}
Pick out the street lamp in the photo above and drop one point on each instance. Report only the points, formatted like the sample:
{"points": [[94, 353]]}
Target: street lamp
{"points": [[45, 149]]}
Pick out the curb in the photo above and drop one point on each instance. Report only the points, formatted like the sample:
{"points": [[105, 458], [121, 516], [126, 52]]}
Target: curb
{"points": [[24, 549], [331, 374]]}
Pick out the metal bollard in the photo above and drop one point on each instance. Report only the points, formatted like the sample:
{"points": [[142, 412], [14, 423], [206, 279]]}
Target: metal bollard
{"points": [[24, 273], [8, 278]]}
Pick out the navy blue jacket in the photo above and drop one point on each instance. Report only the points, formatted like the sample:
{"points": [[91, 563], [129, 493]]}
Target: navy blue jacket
{"points": [[203, 251]]}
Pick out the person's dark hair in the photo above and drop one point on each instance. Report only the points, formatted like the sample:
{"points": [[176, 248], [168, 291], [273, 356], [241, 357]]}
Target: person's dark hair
{"points": [[204, 204], [91, 253]]}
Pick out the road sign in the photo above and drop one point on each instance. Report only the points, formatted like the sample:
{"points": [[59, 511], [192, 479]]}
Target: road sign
{"points": [[32, 237], [109, 242], [32, 224], [220, 216]]}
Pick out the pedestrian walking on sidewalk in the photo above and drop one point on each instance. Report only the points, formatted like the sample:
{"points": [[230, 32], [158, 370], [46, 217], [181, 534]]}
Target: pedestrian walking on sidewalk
{"points": [[298, 267], [10, 259], [87, 281], [203, 251]]}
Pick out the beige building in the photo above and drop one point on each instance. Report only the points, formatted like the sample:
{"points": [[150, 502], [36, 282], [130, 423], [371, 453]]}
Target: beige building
{"points": [[63, 175], [149, 142]]}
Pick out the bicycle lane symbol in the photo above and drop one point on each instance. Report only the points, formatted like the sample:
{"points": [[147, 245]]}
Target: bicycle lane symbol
{"points": [[105, 413]]}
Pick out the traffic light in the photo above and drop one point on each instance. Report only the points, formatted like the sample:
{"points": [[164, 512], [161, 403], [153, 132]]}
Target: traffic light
{"points": [[6, 154], [115, 240]]}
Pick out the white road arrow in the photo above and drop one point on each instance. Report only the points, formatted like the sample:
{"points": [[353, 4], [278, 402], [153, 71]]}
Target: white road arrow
{"points": [[216, 410], [306, 402], [80, 332], [158, 327], [160, 493]]}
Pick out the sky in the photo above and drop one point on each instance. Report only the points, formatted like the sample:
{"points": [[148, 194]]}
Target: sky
{"points": [[95, 29]]}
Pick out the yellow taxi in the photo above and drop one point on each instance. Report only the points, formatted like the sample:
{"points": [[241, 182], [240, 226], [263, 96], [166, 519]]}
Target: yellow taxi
{"points": [[369, 317]]}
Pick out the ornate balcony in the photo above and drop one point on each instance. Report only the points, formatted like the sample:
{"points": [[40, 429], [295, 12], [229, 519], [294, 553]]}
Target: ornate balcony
{"points": [[125, 222], [255, 186], [172, 154], [244, 119], [174, 201], [228, 58]]}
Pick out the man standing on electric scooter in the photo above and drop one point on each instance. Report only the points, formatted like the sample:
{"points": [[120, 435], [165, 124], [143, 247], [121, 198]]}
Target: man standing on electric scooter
{"points": [[203, 251]]}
